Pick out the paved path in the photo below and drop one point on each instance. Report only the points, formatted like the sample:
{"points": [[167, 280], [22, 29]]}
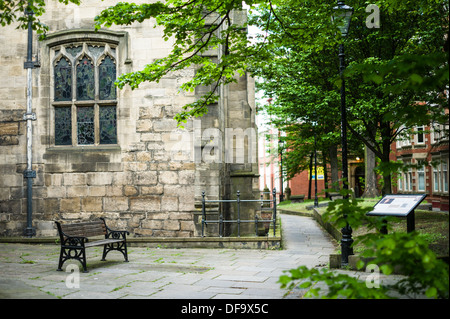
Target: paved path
{"points": [[29, 271]]}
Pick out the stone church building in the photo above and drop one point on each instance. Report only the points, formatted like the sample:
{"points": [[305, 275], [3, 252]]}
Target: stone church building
{"points": [[100, 151]]}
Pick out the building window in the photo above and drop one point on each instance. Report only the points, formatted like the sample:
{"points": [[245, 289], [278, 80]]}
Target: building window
{"points": [[84, 96], [420, 135], [445, 176], [63, 80], [408, 178], [63, 125], [439, 133], [440, 176], [404, 138], [85, 125], [436, 179], [421, 178], [435, 133]]}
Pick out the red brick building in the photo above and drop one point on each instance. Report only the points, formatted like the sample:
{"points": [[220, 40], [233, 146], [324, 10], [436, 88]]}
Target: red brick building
{"points": [[299, 185], [426, 156]]}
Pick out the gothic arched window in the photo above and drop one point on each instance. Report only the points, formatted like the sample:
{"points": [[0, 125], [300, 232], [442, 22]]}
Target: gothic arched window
{"points": [[107, 76], [85, 79], [84, 97], [63, 80]]}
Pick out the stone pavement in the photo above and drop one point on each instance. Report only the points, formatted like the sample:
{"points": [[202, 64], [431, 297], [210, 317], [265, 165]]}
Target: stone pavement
{"points": [[29, 271]]}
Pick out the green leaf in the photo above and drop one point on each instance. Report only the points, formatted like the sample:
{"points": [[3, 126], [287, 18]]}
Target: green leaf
{"points": [[431, 292], [410, 244], [416, 78], [360, 264], [377, 78], [284, 280], [386, 269], [306, 284]]}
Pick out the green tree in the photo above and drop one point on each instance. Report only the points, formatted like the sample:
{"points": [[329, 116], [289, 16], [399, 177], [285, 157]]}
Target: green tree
{"points": [[382, 93], [305, 104], [384, 66]]}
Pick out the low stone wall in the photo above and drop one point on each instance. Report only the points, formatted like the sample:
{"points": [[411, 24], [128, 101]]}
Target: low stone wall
{"points": [[266, 242]]}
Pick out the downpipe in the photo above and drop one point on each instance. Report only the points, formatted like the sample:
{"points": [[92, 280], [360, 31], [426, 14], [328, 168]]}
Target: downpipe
{"points": [[29, 116]]}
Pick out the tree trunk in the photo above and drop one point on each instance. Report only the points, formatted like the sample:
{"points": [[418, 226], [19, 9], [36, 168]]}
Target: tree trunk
{"points": [[385, 158], [370, 187], [325, 173], [387, 185], [334, 167]]}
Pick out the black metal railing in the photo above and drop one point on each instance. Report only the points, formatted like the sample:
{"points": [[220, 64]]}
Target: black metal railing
{"points": [[222, 221]]}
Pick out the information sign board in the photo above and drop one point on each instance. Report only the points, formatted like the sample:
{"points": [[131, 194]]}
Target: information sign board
{"points": [[397, 205]]}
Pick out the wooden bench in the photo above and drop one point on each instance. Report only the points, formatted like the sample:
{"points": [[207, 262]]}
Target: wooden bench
{"points": [[297, 198], [74, 240]]}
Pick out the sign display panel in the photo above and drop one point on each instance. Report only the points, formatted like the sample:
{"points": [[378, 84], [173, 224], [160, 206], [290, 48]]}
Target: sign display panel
{"points": [[397, 205]]}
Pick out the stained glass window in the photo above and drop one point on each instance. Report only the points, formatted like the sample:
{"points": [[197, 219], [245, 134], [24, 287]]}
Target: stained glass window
{"points": [[108, 128], [63, 125], [85, 80], [107, 76], [84, 88], [73, 51], [85, 125], [63, 80]]}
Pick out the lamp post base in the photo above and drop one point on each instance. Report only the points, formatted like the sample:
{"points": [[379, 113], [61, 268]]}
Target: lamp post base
{"points": [[346, 244]]}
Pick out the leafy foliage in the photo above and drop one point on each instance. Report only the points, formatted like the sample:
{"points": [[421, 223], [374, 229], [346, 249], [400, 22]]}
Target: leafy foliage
{"points": [[12, 11], [409, 253], [339, 285], [405, 252], [389, 70], [195, 27]]}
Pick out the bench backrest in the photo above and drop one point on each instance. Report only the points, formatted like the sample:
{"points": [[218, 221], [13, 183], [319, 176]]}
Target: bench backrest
{"points": [[86, 229]]}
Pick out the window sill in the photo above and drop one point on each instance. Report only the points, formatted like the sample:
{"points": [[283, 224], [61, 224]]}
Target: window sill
{"points": [[412, 192], [85, 148], [440, 193]]}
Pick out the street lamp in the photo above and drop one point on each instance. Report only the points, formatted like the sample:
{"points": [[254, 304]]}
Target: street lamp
{"points": [[316, 200], [280, 147], [342, 17]]}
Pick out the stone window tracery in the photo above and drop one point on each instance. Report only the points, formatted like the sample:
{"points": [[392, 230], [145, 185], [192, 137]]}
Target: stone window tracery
{"points": [[84, 94]]}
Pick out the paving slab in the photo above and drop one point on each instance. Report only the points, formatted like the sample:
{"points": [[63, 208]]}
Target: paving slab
{"points": [[29, 271]]}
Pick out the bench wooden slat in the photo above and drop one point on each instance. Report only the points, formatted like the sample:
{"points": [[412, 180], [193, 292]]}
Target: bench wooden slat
{"points": [[86, 229], [102, 242]]}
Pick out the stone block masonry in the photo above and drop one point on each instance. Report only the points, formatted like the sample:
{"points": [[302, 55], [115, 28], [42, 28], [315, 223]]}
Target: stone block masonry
{"points": [[138, 183]]}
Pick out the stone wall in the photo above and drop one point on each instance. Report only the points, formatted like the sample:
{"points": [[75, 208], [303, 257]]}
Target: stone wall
{"points": [[144, 183]]}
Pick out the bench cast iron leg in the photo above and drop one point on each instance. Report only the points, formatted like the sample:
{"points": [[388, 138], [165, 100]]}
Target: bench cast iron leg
{"points": [[65, 254], [60, 263], [122, 247], [83, 260], [104, 253], [125, 252]]}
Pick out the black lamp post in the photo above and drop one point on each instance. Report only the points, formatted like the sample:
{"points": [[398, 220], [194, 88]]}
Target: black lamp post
{"points": [[316, 200], [281, 143], [342, 17]]}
